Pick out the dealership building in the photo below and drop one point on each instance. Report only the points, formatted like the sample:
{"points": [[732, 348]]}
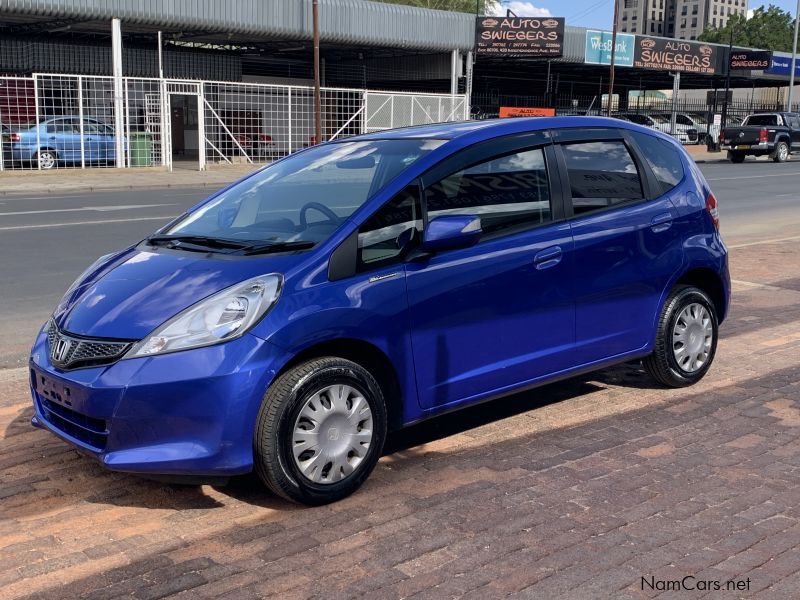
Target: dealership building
{"points": [[209, 82]]}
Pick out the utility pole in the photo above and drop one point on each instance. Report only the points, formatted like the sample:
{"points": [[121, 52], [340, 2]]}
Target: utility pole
{"points": [[794, 56], [728, 81], [317, 92], [613, 55]]}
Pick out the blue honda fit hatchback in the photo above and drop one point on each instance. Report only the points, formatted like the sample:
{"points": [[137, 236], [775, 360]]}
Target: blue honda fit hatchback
{"points": [[285, 323]]}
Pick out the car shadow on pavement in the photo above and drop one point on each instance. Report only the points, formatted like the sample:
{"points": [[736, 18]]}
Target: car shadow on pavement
{"points": [[121, 489]]}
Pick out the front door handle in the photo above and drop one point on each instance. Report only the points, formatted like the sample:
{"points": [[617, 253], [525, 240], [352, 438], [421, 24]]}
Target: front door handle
{"points": [[661, 222], [549, 257]]}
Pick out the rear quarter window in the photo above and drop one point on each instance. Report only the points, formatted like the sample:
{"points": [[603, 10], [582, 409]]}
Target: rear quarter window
{"points": [[663, 158]]}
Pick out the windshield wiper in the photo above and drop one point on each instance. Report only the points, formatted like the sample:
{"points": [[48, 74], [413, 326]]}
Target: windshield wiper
{"points": [[202, 241], [267, 247]]}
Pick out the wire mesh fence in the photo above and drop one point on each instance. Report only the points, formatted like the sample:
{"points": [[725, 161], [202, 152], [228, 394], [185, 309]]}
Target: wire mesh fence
{"points": [[55, 121]]}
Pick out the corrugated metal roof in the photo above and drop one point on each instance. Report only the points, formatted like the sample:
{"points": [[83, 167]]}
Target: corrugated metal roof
{"points": [[357, 22]]}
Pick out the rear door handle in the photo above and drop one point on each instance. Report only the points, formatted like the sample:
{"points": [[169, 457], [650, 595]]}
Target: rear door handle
{"points": [[549, 257], [661, 222]]}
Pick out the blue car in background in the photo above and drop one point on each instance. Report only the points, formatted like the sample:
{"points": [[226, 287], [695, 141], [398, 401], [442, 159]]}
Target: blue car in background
{"points": [[286, 323], [57, 141]]}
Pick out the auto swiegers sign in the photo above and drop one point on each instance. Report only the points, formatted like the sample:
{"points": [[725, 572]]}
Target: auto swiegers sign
{"points": [[674, 55], [506, 36]]}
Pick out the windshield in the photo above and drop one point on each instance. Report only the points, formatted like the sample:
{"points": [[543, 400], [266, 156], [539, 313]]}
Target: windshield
{"points": [[305, 197]]}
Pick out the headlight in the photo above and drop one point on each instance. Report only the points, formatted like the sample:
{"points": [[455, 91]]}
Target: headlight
{"points": [[224, 316]]}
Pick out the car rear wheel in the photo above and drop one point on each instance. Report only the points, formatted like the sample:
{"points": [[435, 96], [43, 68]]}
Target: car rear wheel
{"points": [[781, 152], [686, 338], [736, 157], [48, 159], [320, 431]]}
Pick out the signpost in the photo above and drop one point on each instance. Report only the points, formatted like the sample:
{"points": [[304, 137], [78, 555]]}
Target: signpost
{"points": [[752, 60], [525, 111], [506, 36], [675, 55], [598, 48]]}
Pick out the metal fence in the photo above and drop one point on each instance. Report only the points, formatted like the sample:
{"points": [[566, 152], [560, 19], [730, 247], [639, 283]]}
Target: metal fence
{"points": [[52, 121]]}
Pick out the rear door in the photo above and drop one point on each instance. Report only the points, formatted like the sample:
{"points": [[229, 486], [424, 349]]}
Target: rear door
{"points": [[500, 313], [626, 248]]}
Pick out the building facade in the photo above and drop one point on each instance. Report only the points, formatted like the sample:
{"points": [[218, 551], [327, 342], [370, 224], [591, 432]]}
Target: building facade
{"points": [[679, 19]]}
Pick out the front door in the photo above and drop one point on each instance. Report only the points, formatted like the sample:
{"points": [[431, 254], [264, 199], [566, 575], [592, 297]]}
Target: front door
{"points": [[500, 313]]}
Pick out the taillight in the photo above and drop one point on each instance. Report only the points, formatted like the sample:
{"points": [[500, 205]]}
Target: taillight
{"points": [[711, 207], [762, 136], [15, 137], [721, 137], [265, 138]]}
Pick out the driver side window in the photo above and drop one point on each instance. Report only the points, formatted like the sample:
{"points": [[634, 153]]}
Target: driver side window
{"points": [[386, 236]]}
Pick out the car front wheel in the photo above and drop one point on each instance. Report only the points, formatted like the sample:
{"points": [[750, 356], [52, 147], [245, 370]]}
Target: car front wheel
{"points": [[686, 338], [320, 431]]}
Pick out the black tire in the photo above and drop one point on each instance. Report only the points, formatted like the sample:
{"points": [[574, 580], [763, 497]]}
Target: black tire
{"points": [[781, 153], [736, 157], [285, 398], [662, 364]]}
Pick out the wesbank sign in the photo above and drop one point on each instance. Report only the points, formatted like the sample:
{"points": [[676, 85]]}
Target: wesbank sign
{"points": [[598, 48]]}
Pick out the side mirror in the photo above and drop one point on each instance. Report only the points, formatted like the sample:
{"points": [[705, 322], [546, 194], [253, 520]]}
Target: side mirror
{"points": [[450, 232]]}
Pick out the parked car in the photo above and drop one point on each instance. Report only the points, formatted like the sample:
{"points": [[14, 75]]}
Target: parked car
{"points": [[691, 120], [776, 135], [284, 324], [57, 140], [683, 133]]}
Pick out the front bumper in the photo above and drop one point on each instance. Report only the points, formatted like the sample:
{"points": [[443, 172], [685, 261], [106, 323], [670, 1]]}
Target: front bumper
{"points": [[186, 413]]}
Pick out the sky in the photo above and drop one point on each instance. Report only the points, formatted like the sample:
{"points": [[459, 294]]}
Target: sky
{"points": [[594, 13]]}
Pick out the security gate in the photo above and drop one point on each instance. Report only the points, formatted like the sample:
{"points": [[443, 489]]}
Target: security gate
{"points": [[52, 121]]}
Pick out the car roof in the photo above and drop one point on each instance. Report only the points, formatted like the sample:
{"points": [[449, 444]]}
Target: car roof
{"points": [[493, 128]]}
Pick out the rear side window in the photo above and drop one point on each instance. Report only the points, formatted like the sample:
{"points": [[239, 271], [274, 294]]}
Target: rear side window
{"points": [[663, 158], [601, 175], [507, 193]]}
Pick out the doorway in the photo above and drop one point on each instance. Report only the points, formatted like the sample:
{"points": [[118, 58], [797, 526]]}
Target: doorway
{"points": [[185, 120]]}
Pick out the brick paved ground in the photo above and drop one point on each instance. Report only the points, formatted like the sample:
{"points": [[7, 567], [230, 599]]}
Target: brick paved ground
{"points": [[576, 490]]}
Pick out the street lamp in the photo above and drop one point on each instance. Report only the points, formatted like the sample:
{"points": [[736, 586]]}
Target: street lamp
{"points": [[728, 78], [794, 55]]}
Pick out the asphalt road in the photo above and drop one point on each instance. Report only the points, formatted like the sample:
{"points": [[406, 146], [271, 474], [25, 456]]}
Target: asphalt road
{"points": [[47, 240]]}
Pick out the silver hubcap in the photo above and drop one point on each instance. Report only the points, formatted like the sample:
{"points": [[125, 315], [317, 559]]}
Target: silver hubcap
{"points": [[47, 160], [783, 151], [332, 434], [692, 337]]}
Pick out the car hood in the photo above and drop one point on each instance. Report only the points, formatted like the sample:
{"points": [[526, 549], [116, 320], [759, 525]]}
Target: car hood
{"points": [[128, 295]]}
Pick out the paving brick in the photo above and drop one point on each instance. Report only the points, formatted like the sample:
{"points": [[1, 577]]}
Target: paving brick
{"points": [[593, 484]]}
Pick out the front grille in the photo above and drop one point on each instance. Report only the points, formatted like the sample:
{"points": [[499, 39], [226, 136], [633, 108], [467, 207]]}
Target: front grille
{"points": [[88, 430], [70, 352]]}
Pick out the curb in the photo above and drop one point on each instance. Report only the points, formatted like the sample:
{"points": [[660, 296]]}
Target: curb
{"points": [[111, 188]]}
